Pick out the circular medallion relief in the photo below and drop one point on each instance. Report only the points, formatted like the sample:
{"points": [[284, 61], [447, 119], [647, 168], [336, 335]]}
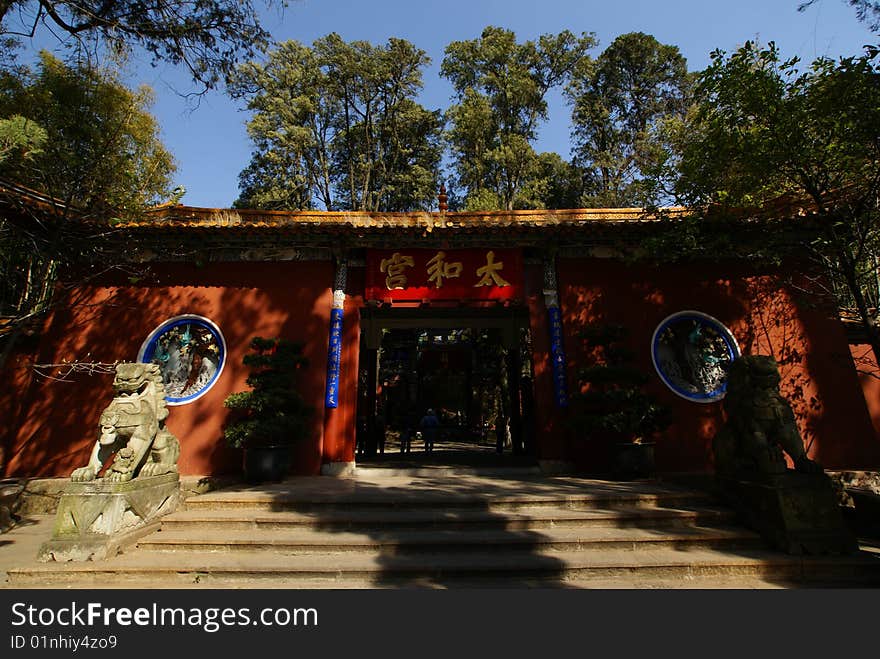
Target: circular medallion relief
{"points": [[692, 353], [190, 351]]}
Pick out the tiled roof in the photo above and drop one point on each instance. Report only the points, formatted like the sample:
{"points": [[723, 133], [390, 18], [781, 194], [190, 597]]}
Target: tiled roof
{"points": [[186, 216], [186, 225], [16, 195]]}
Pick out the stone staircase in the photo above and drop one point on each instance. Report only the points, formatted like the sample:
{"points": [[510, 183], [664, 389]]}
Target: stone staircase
{"points": [[448, 528]]}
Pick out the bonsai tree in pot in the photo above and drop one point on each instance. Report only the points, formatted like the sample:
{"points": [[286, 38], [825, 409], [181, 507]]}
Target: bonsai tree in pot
{"points": [[613, 405], [272, 415]]}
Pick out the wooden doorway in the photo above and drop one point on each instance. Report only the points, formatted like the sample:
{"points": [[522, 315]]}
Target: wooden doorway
{"points": [[471, 366]]}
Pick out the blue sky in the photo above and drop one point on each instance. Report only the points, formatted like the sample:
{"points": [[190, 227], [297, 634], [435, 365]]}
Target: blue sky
{"points": [[210, 142]]}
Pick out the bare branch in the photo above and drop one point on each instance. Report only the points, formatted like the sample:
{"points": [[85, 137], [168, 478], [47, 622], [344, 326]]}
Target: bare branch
{"points": [[65, 369]]}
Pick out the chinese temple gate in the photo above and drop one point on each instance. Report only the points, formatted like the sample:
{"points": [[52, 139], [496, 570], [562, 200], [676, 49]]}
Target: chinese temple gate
{"points": [[476, 316], [463, 361]]}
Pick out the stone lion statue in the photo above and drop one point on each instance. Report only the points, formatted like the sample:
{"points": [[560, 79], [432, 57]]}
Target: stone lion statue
{"points": [[133, 427], [761, 426]]}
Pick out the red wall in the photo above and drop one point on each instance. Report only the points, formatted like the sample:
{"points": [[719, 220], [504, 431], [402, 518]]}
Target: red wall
{"points": [[818, 378], [15, 380], [55, 428], [869, 376], [48, 427]]}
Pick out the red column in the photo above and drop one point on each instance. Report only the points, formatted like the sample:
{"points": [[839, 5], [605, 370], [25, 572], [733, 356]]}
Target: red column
{"points": [[339, 422], [550, 431], [337, 451]]}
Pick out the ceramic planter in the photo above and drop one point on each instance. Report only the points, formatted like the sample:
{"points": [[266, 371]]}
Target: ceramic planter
{"points": [[631, 460], [266, 463]]}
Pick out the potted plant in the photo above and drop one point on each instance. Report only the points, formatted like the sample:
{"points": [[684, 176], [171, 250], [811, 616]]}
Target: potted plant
{"points": [[612, 404], [272, 415]]}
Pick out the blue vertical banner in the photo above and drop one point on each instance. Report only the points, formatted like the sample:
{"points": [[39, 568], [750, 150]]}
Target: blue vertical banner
{"points": [[557, 356], [334, 355]]}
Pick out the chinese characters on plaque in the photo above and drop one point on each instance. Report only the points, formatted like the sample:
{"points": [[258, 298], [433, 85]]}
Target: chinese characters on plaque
{"points": [[413, 274], [395, 269], [439, 269]]}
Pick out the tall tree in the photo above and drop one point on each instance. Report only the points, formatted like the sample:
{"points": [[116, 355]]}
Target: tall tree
{"points": [[101, 150], [207, 37], [763, 130], [620, 102], [291, 128], [336, 124], [85, 140], [501, 88]]}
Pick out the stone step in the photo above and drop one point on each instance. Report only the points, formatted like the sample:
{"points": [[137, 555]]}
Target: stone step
{"points": [[266, 500], [522, 518], [625, 582], [483, 569], [384, 470], [452, 531], [303, 541]]}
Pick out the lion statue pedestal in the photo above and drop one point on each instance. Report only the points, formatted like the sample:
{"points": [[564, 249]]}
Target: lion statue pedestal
{"points": [[795, 511], [99, 516], [98, 519]]}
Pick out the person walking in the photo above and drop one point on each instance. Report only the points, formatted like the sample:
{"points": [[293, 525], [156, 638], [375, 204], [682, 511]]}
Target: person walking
{"points": [[429, 424]]}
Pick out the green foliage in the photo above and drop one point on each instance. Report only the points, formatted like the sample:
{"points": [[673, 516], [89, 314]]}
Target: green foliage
{"points": [[273, 412], [207, 37], [77, 134], [621, 103], [501, 87], [336, 124], [481, 199], [555, 183], [741, 128], [99, 146], [762, 128], [701, 236], [611, 400], [765, 134], [21, 139]]}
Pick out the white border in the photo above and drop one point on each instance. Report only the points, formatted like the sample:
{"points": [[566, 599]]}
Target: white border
{"points": [[700, 314], [188, 316]]}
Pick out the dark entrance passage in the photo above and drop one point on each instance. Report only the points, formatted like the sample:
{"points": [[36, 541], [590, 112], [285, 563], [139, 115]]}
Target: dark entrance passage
{"points": [[471, 368]]}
